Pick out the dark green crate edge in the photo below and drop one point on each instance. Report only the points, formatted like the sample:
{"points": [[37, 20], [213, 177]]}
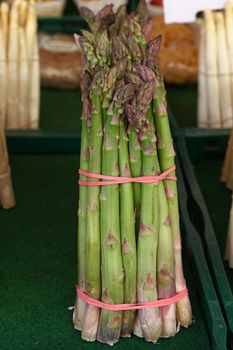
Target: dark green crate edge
{"points": [[209, 238], [210, 302]]}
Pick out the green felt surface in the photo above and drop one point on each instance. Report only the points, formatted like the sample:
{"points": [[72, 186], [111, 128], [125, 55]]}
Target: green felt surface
{"points": [[183, 103], [60, 109], [38, 264], [217, 198]]}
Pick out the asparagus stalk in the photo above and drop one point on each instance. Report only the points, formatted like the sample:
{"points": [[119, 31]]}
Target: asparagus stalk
{"points": [[212, 71], [202, 79], [93, 286], [135, 149], [23, 69], [7, 199], [150, 319], [4, 10], [136, 170], [127, 224], [13, 68], [3, 78], [165, 258], [224, 72], [34, 105], [111, 257], [80, 305], [225, 175], [34, 67], [167, 159]]}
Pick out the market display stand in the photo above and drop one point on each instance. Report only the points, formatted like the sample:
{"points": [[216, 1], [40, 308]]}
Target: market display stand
{"points": [[39, 245]]}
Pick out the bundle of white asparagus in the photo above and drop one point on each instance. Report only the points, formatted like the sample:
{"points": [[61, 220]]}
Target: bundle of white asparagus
{"points": [[227, 177], [215, 78], [19, 65]]}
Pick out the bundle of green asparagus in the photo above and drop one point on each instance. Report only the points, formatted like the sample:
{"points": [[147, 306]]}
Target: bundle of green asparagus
{"points": [[129, 245], [19, 73]]}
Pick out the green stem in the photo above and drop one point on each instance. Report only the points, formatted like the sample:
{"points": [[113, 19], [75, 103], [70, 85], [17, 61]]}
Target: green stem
{"points": [[111, 264], [84, 165], [128, 240], [93, 286], [136, 170], [167, 159], [165, 265], [148, 239]]}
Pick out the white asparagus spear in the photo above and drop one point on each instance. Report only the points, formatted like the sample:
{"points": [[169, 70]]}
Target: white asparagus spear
{"points": [[7, 199], [202, 108], [212, 71], [229, 243], [23, 70], [224, 72], [3, 78], [34, 104], [34, 66], [4, 9], [13, 68], [229, 32]]}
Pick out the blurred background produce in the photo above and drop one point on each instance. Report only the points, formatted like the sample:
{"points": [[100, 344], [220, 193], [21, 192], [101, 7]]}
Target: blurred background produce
{"points": [[179, 53], [20, 72], [215, 85]]}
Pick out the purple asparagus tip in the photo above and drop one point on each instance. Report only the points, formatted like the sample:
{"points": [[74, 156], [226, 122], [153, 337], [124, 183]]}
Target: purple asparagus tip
{"points": [[136, 118], [145, 72], [104, 12], [78, 39]]}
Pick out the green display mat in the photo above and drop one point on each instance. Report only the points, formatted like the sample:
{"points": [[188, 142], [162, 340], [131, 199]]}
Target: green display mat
{"points": [[38, 264], [60, 109], [182, 100], [217, 198]]}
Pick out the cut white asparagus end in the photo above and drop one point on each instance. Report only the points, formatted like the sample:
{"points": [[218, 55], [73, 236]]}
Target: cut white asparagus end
{"points": [[79, 312], [7, 198], [213, 99], [168, 314], [151, 324], [202, 79], [90, 323], [138, 328], [224, 72]]}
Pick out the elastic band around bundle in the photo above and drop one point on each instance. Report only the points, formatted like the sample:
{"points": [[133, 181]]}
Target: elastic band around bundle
{"points": [[136, 306], [114, 180]]}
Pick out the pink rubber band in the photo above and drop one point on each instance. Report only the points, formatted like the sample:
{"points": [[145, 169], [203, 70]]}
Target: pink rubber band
{"points": [[114, 180], [137, 306]]}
